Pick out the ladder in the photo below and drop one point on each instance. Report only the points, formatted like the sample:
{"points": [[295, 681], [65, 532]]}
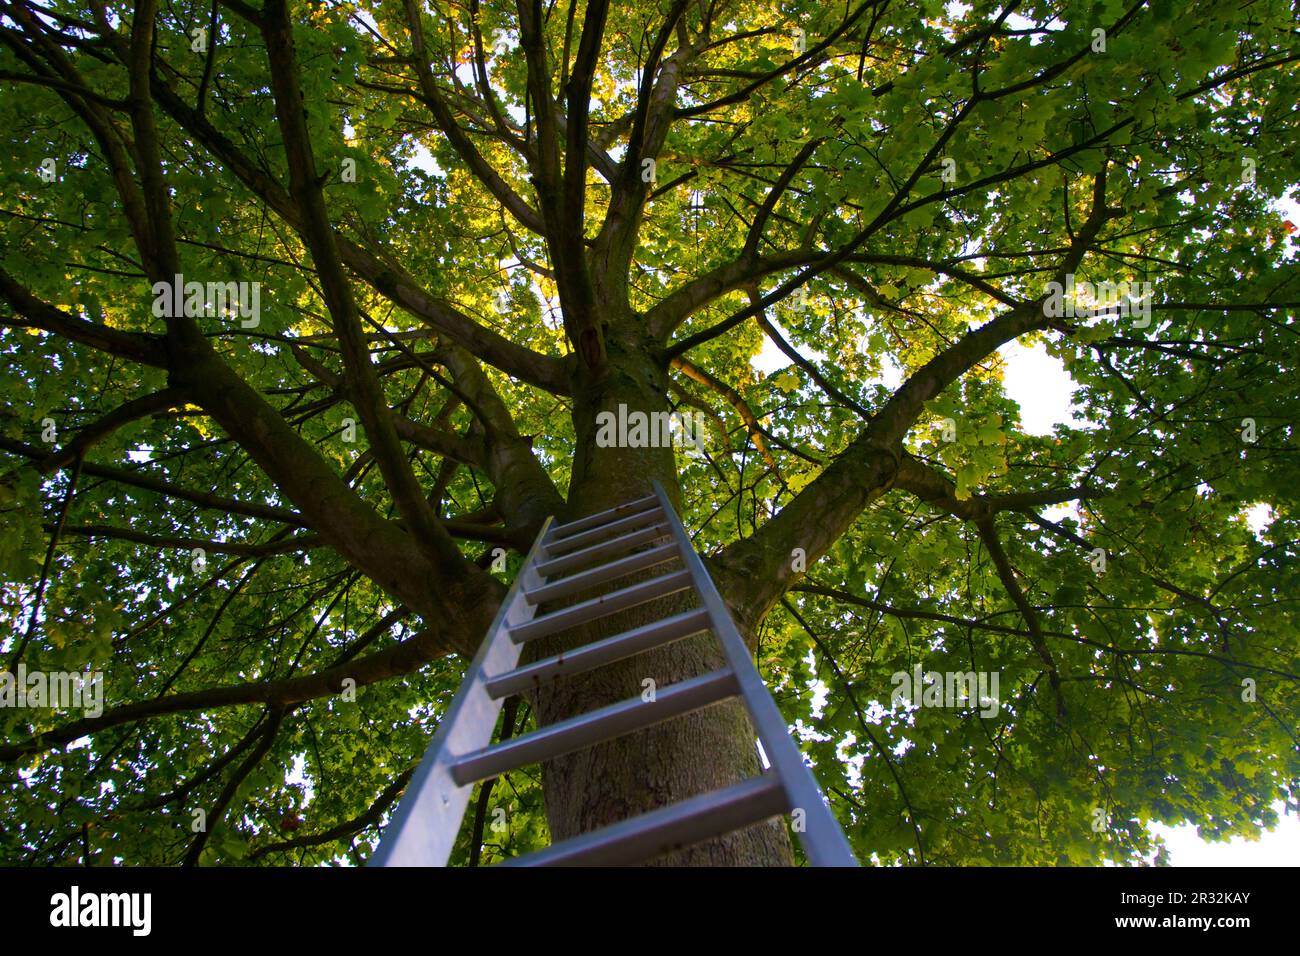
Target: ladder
{"points": [[564, 561]]}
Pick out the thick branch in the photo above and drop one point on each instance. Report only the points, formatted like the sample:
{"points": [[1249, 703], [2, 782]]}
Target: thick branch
{"points": [[383, 275], [479, 166], [102, 427], [135, 346], [284, 546], [362, 382], [759, 568], [402, 658], [167, 489], [935, 488]]}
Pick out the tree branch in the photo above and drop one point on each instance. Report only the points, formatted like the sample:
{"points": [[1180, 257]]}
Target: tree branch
{"points": [[759, 568], [401, 658], [101, 428], [387, 797], [139, 347], [989, 535], [460, 142]]}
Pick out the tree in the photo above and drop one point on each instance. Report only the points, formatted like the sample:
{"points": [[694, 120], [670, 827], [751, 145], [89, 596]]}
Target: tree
{"points": [[313, 311]]}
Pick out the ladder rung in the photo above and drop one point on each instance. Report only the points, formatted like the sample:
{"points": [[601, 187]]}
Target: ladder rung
{"points": [[600, 652], [600, 517], [591, 728], [600, 533], [605, 549], [647, 836], [601, 573], [598, 607]]}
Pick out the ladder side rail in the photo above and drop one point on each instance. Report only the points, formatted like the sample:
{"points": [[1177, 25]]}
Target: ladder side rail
{"points": [[822, 839], [423, 829]]}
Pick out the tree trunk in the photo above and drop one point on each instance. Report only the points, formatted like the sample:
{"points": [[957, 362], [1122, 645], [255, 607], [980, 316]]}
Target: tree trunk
{"points": [[679, 758]]}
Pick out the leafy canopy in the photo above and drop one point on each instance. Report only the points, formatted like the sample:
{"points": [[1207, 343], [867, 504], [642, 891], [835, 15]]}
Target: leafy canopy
{"points": [[852, 188]]}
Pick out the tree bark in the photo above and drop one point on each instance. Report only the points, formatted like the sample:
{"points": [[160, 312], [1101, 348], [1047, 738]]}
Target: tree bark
{"points": [[679, 758]]}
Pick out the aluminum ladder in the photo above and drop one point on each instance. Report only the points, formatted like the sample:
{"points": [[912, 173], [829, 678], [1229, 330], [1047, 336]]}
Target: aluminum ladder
{"points": [[566, 560]]}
